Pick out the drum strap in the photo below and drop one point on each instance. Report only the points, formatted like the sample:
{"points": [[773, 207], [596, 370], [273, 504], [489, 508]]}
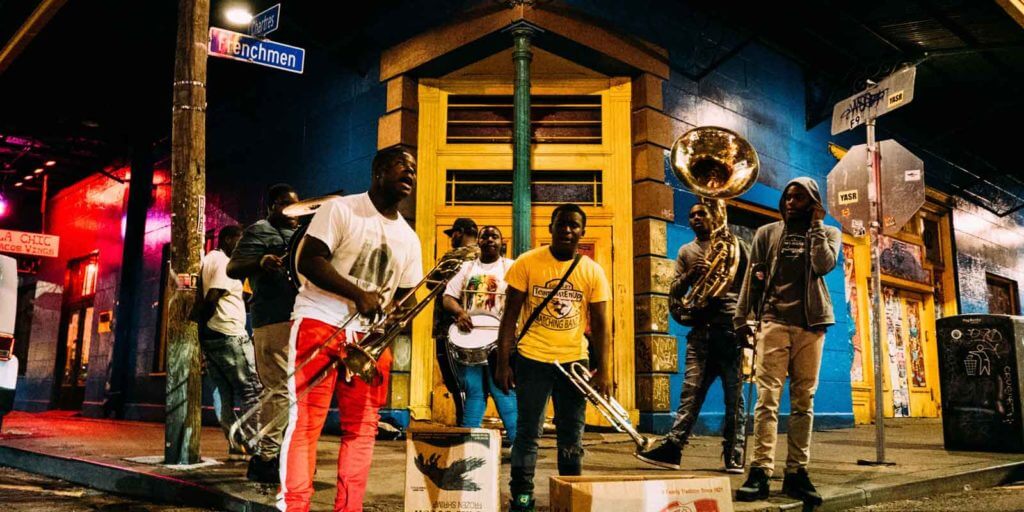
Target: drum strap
{"points": [[544, 303]]}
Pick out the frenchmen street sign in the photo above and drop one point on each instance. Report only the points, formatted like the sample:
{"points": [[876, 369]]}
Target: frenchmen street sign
{"points": [[32, 244], [237, 46]]}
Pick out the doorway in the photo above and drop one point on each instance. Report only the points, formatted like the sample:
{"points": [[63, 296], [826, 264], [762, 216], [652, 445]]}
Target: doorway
{"points": [[75, 334]]}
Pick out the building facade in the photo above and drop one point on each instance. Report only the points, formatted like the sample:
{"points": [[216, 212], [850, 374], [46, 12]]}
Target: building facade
{"points": [[611, 90]]}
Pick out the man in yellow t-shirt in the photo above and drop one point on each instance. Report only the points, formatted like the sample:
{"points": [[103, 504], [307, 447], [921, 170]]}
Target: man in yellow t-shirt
{"points": [[556, 335]]}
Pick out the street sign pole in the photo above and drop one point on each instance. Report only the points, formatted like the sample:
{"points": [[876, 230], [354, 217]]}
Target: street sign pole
{"points": [[892, 199], [875, 230]]}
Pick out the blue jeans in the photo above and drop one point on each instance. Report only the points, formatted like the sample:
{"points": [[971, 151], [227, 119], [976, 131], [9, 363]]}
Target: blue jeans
{"points": [[477, 382], [231, 364], [535, 382]]}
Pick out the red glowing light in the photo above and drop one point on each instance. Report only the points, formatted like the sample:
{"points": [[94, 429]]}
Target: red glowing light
{"points": [[29, 177], [3, 206], [18, 184], [51, 163]]}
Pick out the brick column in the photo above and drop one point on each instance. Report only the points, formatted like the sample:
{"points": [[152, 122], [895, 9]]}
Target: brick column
{"points": [[656, 351], [400, 126]]}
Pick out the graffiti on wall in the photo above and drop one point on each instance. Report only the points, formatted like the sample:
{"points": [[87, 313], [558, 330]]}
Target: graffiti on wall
{"points": [[849, 273], [897, 353], [914, 344], [902, 260]]}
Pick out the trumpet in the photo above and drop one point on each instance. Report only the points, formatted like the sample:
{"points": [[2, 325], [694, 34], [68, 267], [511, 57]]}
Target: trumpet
{"points": [[360, 357], [609, 407]]}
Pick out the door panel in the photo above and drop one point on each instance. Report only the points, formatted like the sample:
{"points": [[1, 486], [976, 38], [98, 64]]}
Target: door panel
{"points": [[908, 346]]}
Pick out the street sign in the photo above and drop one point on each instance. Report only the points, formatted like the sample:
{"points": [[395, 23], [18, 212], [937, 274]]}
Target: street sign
{"points": [[32, 244], [265, 22], [902, 186], [893, 92], [236, 46], [848, 197]]}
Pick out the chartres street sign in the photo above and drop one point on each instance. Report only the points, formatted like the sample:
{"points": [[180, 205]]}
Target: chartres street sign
{"points": [[32, 244], [895, 91], [265, 22], [236, 46]]}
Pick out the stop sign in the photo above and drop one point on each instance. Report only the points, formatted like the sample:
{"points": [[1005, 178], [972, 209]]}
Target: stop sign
{"points": [[902, 188]]}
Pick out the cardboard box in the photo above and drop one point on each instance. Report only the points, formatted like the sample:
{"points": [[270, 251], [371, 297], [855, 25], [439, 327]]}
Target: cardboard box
{"points": [[639, 493], [452, 470]]}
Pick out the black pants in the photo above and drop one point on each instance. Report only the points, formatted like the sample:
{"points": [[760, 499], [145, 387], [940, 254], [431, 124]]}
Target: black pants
{"points": [[712, 351], [535, 383]]}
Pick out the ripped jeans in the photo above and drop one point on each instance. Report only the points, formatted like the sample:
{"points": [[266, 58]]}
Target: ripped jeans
{"points": [[535, 382]]}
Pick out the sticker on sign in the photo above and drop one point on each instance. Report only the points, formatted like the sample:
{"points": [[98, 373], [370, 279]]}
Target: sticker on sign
{"points": [[912, 175], [848, 197]]}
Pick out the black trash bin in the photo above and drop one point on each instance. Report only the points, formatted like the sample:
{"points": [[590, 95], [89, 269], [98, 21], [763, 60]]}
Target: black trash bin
{"points": [[981, 358]]}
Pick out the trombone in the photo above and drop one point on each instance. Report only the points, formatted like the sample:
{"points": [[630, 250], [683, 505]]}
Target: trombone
{"points": [[609, 407], [360, 357]]}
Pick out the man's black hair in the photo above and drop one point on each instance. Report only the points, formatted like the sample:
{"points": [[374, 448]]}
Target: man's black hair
{"points": [[569, 208], [386, 157], [278, 191], [229, 231]]}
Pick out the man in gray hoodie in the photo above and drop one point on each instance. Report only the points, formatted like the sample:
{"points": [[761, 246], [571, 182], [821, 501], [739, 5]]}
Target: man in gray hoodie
{"points": [[786, 305]]}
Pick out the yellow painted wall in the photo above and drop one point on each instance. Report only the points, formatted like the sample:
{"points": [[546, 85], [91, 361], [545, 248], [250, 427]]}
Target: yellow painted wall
{"points": [[609, 226]]}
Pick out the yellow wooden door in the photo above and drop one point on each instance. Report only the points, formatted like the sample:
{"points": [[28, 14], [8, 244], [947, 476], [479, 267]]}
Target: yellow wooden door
{"points": [[909, 354]]}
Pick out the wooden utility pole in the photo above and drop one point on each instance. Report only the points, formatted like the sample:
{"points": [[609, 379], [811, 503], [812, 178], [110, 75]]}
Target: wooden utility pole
{"points": [[188, 226]]}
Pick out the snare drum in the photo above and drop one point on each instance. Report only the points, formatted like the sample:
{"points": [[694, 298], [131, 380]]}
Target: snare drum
{"points": [[472, 348]]}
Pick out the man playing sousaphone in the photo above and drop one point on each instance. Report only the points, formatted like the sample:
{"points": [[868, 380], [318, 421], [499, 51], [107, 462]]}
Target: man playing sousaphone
{"points": [[712, 350], [475, 297]]}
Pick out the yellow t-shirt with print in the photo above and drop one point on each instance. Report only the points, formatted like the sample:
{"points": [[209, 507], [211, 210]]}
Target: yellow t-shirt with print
{"points": [[557, 334]]}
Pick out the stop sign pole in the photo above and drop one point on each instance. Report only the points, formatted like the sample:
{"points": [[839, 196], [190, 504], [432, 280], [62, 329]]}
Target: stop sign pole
{"points": [[864, 108], [875, 230]]}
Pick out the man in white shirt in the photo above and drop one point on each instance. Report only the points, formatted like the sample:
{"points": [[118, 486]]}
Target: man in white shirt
{"points": [[478, 290], [357, 255], [226, 346]]}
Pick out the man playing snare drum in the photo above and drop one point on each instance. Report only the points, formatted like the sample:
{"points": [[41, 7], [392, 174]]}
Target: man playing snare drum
{"points": [[478, 292]]}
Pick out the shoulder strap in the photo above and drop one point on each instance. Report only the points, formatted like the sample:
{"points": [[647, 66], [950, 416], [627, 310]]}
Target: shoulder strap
{"points": [[544, 303]]}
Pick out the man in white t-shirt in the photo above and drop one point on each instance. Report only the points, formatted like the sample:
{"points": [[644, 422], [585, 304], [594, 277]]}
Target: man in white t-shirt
{"points": [[226, 346], [477, 290], [357, 255]]}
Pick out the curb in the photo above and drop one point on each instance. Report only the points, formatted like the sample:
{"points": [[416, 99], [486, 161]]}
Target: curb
{"points": [[126, 482], [877, 494]]}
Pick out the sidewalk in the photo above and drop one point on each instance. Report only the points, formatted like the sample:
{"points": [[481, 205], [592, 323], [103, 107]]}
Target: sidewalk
{"points": [[93, 453]]}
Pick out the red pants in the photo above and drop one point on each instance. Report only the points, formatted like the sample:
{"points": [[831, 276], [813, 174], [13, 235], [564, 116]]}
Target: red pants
{"points": [[358, 405]]}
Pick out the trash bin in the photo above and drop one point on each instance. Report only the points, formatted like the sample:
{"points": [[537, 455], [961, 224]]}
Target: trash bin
{"points": [[981, 358]]}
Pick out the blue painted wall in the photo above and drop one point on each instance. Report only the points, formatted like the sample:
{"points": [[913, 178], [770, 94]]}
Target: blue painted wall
{"points": [[758, 93]]}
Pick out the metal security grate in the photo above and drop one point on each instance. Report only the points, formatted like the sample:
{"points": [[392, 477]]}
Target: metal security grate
{"points": [[487, 119], [493, 187]]}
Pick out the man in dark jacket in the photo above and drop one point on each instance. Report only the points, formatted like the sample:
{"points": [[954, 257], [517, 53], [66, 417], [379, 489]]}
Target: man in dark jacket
{"points": [[784, 290], [260, 257]]}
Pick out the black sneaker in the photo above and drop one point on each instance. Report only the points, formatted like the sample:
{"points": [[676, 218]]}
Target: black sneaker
{"points": [[756, 486], [798, 485], [521, 503], [264, 471], [733, 460], [663, 453]]}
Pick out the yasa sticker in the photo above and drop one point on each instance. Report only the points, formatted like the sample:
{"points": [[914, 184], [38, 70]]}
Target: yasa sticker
{"points": [[912, 175], [848, 196], [895, 98]]}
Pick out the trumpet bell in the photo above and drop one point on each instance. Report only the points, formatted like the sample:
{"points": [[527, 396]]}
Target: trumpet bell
{"points": [[714, 162]]}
